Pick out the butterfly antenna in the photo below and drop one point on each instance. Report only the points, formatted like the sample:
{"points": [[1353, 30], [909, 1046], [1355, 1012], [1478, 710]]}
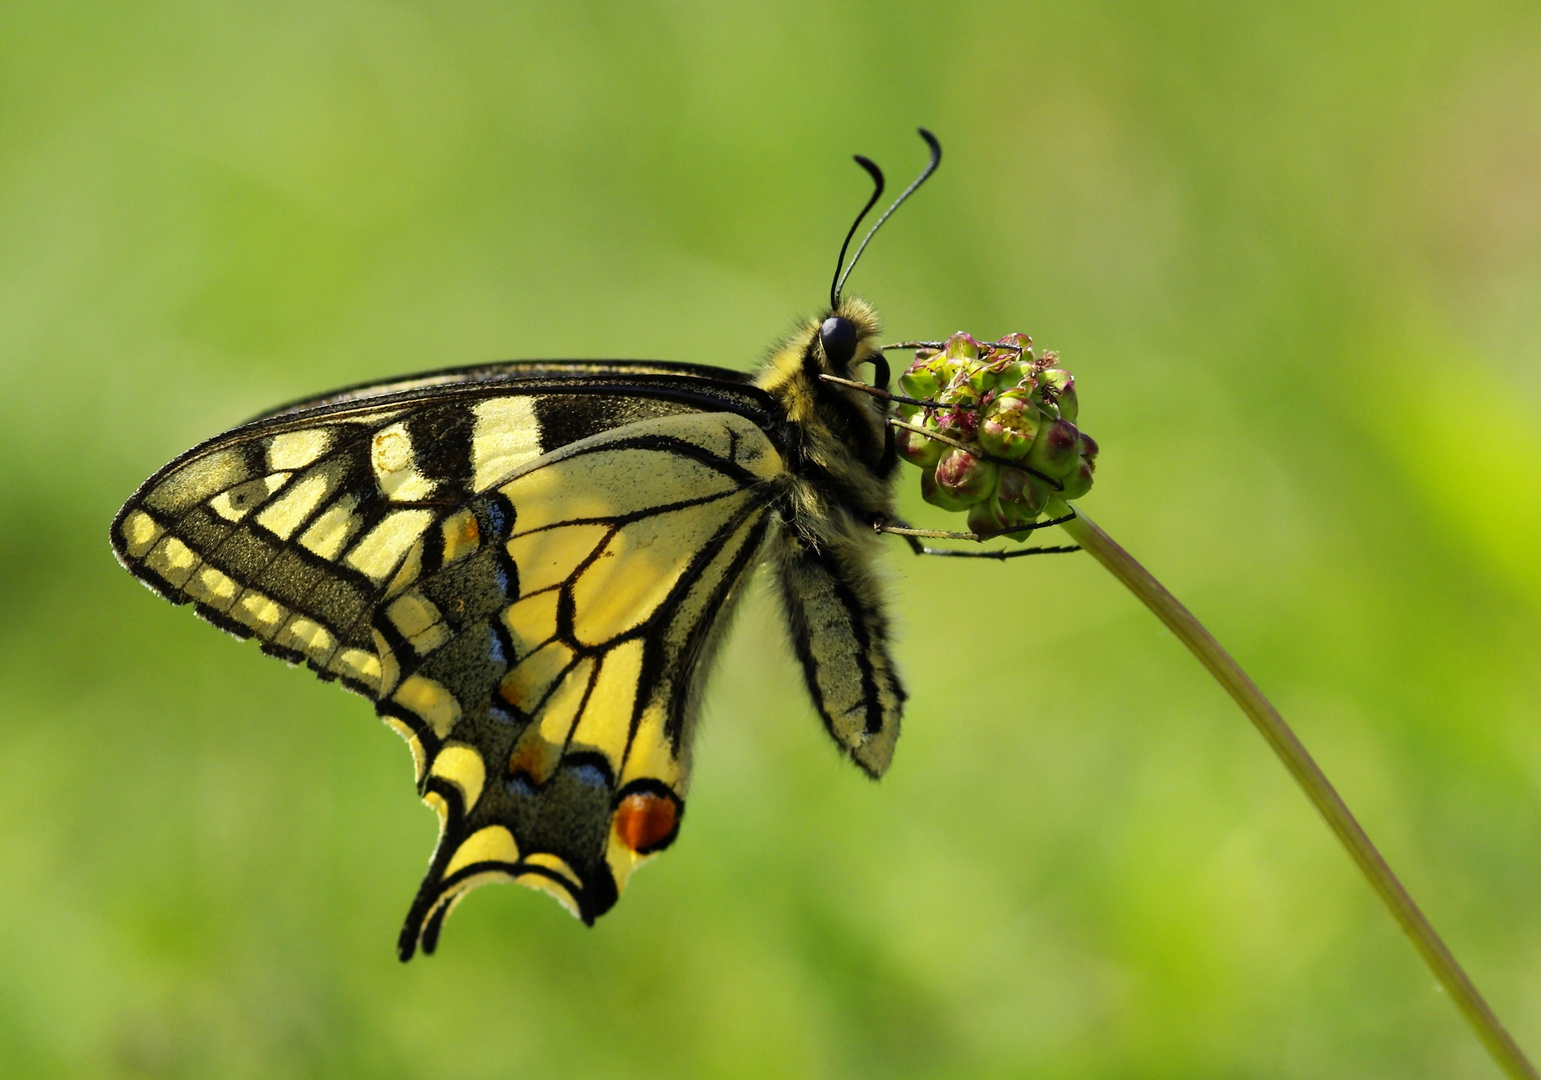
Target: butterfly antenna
{"points": [[936, 159], [877, 193]]}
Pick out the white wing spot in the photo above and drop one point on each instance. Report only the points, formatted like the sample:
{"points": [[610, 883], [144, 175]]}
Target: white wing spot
{"points": [[286, 513], [381, 549], [395, 465], [139, 532], [297, 449], [236, 503], [506, 435], [332, 529]]}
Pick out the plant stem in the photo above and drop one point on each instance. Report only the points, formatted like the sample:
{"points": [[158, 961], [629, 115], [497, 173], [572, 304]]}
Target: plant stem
{"points": [[1500, 1044]]}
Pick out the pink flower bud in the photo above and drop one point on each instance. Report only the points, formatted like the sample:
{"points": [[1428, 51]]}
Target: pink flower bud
{"points": [[1079, 480], [964, 477], [1059, 388], [1054, 450], [936, 495], [1007, 427]]}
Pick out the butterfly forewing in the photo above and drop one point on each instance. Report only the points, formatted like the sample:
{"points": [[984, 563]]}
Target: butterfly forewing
{"points": [[525, 566]]}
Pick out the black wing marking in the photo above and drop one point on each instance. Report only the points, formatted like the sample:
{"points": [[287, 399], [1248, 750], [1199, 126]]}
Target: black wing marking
{"points": [[710, 388]]}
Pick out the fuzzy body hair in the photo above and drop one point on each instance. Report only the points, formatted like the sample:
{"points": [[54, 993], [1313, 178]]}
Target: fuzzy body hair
{"points": [[840, 464]]}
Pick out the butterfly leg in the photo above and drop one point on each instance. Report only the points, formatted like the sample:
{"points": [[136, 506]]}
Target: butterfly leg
{"points": [[913, 537]]}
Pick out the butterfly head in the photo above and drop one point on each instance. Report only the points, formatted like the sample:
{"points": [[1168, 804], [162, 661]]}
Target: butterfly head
{"points": [[835, 345], [848, 429], [845, 338], [835, 423]]}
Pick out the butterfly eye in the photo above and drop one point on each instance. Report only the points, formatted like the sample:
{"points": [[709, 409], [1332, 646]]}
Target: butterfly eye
{"points": [[839, 339]]}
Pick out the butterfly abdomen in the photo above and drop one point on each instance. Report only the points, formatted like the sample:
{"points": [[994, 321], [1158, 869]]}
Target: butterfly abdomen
{"points": [[841, 467]]}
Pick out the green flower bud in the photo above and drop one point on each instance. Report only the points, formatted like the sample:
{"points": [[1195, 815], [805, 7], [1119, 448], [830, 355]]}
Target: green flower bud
{"points": [[1059, 386], [985, 517], [919, 382], [964, 477], [999, 401], [916, 448], [1054, 450], [1023, 343], [927, 375], [962, 346], [1016, 375], [1079, 480], [1021, 496], [1008, 425], [981, 378]]}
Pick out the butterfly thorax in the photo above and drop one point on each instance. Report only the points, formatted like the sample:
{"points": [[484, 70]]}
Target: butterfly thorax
{"points": [[838, 456]]}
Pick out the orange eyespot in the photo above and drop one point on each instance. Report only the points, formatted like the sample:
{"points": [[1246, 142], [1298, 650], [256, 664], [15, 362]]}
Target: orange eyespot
{"points": [[645, 820], [533, 758], [467, 532]]}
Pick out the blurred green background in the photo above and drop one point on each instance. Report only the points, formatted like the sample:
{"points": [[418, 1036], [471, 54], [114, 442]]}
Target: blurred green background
{"points": [[1292, 252]]}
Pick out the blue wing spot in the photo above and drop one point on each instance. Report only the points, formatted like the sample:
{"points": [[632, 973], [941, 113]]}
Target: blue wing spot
{"points": [[495, 648], [590, 775]]}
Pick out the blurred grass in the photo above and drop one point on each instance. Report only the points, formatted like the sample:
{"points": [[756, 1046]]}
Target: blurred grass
{"points": [[1292, 254]]}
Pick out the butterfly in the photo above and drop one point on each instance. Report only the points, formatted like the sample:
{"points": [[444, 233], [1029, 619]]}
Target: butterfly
{"points": [[527, 567]]}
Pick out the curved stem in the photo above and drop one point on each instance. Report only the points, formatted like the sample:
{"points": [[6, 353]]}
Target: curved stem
{"points": [[1500, 1044]]}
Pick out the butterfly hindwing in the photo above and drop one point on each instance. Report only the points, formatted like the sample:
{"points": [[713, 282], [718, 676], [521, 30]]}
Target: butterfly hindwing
{"points": [[526, 574], [550, 702]]}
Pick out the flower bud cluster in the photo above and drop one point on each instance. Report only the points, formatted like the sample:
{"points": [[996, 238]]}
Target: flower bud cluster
{"points": [[1006, 418]]}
